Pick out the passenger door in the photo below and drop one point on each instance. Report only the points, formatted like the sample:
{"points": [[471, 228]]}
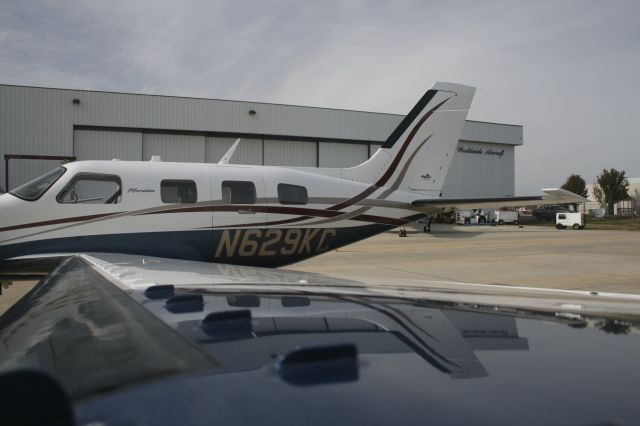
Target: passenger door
{"points": [[239, 198], [82, 203]]}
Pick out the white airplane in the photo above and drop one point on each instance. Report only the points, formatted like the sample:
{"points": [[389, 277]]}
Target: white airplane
{"points": [[247, 215]]}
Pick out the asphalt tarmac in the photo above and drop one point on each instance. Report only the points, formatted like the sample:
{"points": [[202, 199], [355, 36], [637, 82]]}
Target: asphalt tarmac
{"points": [[11, 293], [604, 261]]}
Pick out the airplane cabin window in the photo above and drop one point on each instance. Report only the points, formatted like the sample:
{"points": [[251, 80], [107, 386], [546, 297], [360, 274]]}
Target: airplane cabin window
{"points": [[292, 194], [178, 191], [90, 188], [238, 192]]}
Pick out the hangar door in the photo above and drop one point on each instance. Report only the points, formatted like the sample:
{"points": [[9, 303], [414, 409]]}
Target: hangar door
{"points": [[289, 153], [180, 148], [107, 145], [342, 154], [249, 151]]}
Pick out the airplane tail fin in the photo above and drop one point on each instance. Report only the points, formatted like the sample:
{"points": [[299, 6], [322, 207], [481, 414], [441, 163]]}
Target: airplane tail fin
{"points": [[417, 154]]}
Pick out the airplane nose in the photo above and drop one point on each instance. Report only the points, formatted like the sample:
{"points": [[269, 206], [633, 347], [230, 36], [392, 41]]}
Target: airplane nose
{"points": [[4, 213], [7, 211]]}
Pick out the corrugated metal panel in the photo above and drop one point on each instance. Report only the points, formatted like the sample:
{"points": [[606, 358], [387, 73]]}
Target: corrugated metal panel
{"points": [[249, 151], [165, 112], [43, 114], [22, 171], [373, 147], [105, 145], [181, 148], [290, 153], [342, 154], [34, 122]]}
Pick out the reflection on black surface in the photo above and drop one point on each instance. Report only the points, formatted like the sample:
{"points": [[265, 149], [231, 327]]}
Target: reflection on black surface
{"points": [[90, 335], [124, 358], [295, 301], [446, 339], [319, 365], [614, 326], [243, 301]]}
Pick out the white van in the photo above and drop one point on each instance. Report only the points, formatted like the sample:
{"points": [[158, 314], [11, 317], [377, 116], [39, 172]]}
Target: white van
{"points": [[567, 219], [502, 217]]}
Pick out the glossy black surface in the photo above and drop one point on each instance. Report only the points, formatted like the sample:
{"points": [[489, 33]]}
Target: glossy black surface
{"points": [[321, 357]]}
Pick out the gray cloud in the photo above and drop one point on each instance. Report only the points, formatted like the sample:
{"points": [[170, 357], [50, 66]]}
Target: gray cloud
{"points": [[568, 71]]}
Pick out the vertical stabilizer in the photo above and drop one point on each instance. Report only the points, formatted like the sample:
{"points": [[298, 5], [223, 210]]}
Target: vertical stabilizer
{"points": [[417, 155]]}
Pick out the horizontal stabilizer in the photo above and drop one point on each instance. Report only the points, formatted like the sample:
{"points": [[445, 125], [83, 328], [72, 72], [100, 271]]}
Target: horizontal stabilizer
{"points": [[552, 196]]}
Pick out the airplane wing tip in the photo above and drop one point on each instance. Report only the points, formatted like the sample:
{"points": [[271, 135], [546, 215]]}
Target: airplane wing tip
{"points": [[563, 194]]}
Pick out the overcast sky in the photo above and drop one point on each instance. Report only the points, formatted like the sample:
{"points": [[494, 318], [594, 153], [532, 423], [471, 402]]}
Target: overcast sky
{"points": [[569, 71]]}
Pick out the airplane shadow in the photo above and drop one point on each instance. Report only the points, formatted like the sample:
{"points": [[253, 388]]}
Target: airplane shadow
{"points": [[443, 232], [452, 233]]}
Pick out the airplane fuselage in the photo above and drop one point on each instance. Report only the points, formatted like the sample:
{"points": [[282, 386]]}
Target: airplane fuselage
{"points": [[248, 215]]}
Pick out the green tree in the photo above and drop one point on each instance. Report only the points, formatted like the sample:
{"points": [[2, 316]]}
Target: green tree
{"points": [[575, 184], [614, 185]]}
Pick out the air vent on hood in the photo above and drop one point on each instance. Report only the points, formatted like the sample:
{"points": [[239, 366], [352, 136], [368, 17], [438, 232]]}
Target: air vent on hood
{"points": [[318, 365], [228, 325], [162, 291]]}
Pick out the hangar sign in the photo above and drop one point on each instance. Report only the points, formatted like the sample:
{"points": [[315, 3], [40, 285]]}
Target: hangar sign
{"points": [[480, 151]]}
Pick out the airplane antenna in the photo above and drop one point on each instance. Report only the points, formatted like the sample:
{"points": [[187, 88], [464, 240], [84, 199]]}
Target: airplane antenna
{"points": [[227, 157]]}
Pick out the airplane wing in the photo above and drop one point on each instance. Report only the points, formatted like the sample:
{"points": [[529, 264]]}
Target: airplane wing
{"points": [[552, 196]]}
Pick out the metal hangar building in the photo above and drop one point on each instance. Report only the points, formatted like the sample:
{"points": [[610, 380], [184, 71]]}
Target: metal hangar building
{"points": [[91, 125]]}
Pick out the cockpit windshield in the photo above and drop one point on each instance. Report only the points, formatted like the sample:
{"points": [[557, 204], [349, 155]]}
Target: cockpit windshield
{"points": [[34, 189]]}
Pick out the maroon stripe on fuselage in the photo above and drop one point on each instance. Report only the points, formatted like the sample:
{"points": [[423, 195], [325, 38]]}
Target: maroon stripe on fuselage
{"points": [[380, 219], [204, 209], [254, 207], [361, 218], [56, 221], [263, 224], [364, 194], [301, 211]]}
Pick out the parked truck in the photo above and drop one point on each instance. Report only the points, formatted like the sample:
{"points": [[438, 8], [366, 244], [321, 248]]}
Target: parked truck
{"points": [[549, 212]]}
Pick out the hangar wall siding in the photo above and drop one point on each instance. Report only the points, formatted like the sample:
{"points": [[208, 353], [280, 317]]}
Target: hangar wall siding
{"points": [[104, 125]]}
